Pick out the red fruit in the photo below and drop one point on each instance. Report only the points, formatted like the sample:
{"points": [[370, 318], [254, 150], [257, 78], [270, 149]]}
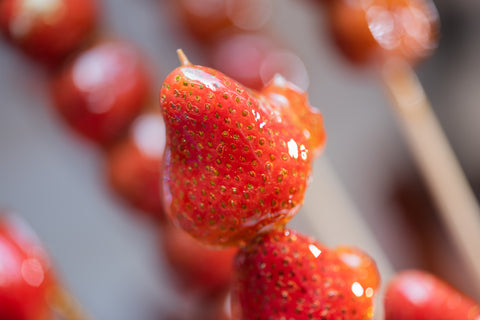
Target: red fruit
{"points": [[417, 295], [254, 59], [204, 18], [25, 275], [102, 90], [134, 164], [377, 30], [286, 275], [198, 268], [237, 162], [208, 18], [47, 29]]}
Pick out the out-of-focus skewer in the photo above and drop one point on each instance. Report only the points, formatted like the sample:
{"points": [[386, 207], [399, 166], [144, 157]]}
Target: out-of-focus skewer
{"points": [[65, 304], [335, 220], [453, 196]]}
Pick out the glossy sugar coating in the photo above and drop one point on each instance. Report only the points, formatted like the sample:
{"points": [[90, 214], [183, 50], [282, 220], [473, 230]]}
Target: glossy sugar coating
{"points": [[373, 31], [286, 275], [237, 162], [102, 90], [25, 275], [48, 30], [361, 264]]}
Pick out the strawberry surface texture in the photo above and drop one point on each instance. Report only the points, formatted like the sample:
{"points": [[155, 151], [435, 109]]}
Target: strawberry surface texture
{"points": [[237, 161], [286, 275]]}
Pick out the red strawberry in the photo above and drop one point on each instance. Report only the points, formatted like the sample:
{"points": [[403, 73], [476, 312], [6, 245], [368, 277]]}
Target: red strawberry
{"points": [[134, 164], [48, 30], [417, 295], [237, 162], [381, 29], [102, 90], [203, 18], [286, 275], [207, 18], [25, 273], [198, 268]]}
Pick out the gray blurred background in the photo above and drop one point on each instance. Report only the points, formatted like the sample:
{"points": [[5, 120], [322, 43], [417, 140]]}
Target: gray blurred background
{"points": [[109, 257]]}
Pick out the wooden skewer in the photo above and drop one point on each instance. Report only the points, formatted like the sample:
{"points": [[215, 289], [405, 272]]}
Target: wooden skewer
{"points": [[65, 305], [448, 185]]}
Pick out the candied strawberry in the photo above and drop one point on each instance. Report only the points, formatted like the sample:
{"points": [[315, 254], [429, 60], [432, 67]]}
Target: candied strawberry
{"points": [[25, 274], [48, 30], [198, 268], [237, 162], [382, 29], [102, 90], [286, 275], [133, 164], [203, 18], [207, 18], [418, 295]]}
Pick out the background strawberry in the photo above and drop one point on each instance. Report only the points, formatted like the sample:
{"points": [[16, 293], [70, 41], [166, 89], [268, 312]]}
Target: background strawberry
{"points": [[25, 273], [101, 91], [48, 30], [419, 295], [286, 275], [198, 268], [237, 162], [133, 165]]}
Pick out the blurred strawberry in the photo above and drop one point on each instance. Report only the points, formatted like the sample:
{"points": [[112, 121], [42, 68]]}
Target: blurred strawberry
{"points": [[102, 90], [377, 30], [25, 273], [198, 268], [203, 19], [207, 19], [48, 30], [417, 295], [133, 164]]}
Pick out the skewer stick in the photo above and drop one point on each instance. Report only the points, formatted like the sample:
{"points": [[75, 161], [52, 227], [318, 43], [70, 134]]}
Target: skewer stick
{"points": [[65, 305], [448, 185], [336, 221]]}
